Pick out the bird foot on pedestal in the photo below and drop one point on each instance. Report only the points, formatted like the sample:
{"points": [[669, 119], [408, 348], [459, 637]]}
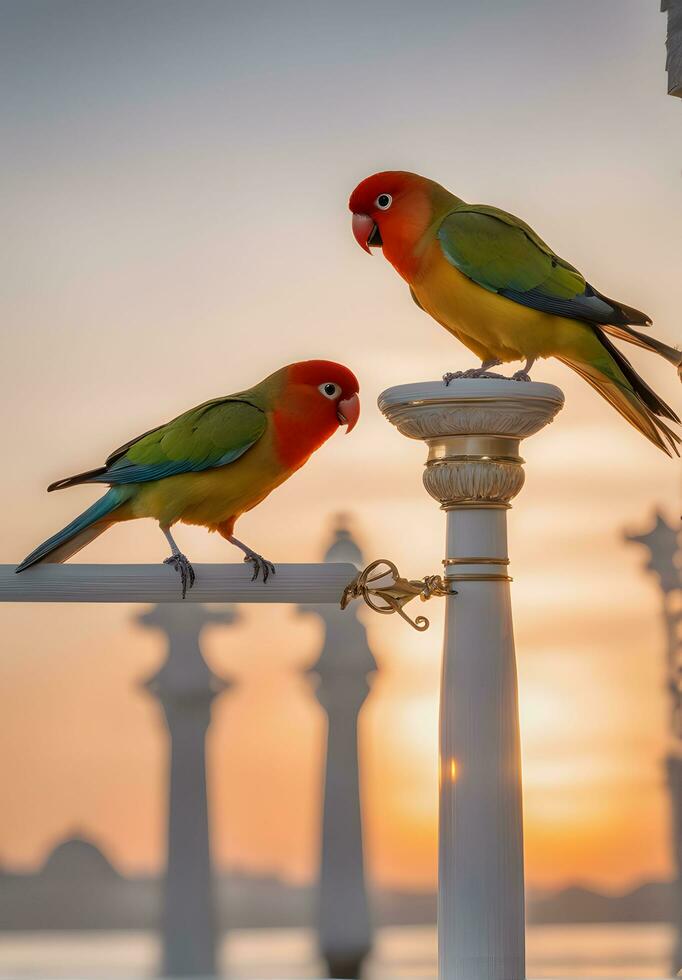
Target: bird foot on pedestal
{"points": [[520, 376], [261, 566], [183, 567], [471, 373]]}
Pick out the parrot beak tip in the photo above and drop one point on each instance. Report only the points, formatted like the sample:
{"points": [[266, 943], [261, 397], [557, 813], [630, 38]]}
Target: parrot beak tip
{"points": [[366, 232], [348, 412]]}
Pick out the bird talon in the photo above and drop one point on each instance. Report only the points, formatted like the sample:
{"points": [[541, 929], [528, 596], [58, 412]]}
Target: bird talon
{"points": [[253, 561], [471, 373], [260, 566], [183, 567], [520, 376]]}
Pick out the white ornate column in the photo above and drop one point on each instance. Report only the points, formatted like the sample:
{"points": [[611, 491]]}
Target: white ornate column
{"points": [[473, 429]]}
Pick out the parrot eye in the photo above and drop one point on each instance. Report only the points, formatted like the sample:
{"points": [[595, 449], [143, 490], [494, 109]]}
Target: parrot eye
{"points": [[384, 201], [330, 390]]}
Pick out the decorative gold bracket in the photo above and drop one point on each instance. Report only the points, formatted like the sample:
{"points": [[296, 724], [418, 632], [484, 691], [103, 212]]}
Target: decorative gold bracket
{"points": [[393, 596]]}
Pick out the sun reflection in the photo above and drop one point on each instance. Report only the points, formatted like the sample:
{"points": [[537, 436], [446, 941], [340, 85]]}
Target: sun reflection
{"points": [[447, 771]]}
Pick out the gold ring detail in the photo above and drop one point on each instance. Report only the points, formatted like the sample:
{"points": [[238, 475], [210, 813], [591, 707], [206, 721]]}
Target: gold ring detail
{"points": [[465, 577], [475, 561], [475, 458], [475, 503]]}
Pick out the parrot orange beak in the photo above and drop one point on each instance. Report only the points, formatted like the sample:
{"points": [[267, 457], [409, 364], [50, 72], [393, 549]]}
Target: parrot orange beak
{"points": [[366, 231], [348, 412]]}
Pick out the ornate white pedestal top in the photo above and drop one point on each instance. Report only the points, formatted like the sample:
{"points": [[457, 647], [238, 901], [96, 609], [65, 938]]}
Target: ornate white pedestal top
{"points": [[473, 429], [471, 406]]}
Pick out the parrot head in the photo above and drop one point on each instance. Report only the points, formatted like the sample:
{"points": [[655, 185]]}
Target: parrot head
{"points": [[332, 389], [310, 401], [393, 209]]}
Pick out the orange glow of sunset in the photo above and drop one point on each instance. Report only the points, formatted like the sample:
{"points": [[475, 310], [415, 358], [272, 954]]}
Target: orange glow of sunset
{"points": [[176, 229]]}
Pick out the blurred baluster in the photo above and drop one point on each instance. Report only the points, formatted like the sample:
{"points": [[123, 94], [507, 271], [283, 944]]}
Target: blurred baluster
{"points": [[185, 686], [343, 668], [665, 562]]}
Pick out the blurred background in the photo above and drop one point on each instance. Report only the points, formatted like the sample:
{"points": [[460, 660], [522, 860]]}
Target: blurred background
{"points": [[175, 179]]}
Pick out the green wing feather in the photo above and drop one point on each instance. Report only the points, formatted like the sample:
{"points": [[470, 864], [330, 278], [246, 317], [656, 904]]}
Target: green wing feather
{"points": [[211, 435], [504, 255], [499, 251], [214, 434]]}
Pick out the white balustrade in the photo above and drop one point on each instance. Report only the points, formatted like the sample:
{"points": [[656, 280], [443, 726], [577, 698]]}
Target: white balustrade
{"points": [[473, 430], [160, 583]]}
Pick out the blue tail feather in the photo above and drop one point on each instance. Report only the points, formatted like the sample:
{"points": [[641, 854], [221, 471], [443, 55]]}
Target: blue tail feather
{"points": [[100, 509]]}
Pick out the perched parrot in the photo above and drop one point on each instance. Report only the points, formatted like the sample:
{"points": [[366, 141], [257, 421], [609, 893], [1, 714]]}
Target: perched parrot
{"points": [[214, 462], [490, 280]]}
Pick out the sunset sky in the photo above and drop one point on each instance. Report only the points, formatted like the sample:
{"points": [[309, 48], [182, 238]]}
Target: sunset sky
{"points": [[175, 227]]}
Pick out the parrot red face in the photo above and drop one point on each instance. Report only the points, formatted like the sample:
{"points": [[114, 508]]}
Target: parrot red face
{"points": [[314, 399], [331, 392], [387, 204]]}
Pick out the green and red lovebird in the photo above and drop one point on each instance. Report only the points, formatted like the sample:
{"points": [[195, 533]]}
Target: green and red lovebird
{"points": [[214, 462], [490, 280]]}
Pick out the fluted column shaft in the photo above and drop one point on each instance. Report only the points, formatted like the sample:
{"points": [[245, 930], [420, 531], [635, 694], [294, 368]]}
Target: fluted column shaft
{"points": [[481, 901]]}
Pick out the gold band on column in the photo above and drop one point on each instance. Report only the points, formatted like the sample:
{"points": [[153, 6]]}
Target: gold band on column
{"points": [[475, 561], [503, 449], [476, 504]]}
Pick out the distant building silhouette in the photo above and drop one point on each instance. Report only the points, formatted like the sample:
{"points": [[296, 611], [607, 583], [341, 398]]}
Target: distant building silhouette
{"points": [[344, 666], [78, 889], [77, 858], [665, 561], [186, 687]]}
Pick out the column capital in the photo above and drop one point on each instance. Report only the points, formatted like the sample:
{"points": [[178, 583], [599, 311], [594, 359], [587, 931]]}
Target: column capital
{"points": [[473, 429]]}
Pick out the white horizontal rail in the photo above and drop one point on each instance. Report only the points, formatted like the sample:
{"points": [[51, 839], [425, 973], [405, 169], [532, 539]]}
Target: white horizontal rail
{"points": [[161, 583]]}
